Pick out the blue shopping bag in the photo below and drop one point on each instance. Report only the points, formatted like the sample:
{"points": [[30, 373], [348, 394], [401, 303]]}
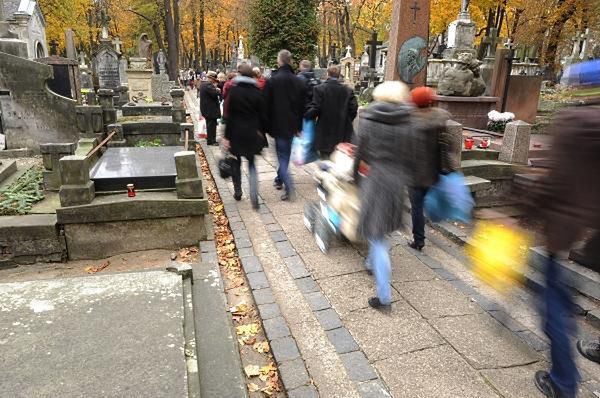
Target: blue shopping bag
{"points": [[449, 199], [303, 151]]}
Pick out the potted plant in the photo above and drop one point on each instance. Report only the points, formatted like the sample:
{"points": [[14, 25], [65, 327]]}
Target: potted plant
{"points": [[497, 120]]}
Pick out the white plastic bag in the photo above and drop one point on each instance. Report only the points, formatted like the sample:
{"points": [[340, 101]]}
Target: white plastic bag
{"points": [[201, 132]]}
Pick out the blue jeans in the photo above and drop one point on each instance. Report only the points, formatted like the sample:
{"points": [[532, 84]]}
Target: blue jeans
{"points": [[379, 262], [283, 147], [417, 197], [252, 180], [559, 323]]}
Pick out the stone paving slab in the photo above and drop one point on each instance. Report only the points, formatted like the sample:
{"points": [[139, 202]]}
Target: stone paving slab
{"points": [[484, 342], [436, 298], [339, 261], [382, 335], [108, 335], [515, 382], [437, 372]]}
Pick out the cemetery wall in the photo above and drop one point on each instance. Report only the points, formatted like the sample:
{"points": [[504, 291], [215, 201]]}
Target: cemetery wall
{"points": [[32, 114]]}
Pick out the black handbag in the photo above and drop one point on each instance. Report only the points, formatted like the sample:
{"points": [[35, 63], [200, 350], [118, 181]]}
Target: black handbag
{"points": [[226, 167]]}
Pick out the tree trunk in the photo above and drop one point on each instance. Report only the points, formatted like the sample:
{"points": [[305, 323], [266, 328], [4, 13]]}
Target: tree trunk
{"points": [[554, 37], [195, 36], [324, 44], [172, 40], [515, 26], [201, 33], [177, 29]]}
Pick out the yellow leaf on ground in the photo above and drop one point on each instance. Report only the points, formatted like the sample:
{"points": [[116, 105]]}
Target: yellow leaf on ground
{"points": [[268, 368], [252, 370], [264, 378], [253, 387], [218, 208], [247, 330], [262, 347]]}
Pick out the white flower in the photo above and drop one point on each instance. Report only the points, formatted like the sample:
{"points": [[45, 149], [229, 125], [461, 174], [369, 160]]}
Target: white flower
{"points": [[496, 116]]}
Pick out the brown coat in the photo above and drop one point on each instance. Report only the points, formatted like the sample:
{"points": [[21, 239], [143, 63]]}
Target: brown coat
{"points": [[570, 200]]}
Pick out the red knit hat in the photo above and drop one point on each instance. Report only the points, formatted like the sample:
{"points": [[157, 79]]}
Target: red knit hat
{"points": [[422, 96]]}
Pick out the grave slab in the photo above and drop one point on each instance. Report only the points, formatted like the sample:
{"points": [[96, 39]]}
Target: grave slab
{"points": [[104, 335], [146, 168]]}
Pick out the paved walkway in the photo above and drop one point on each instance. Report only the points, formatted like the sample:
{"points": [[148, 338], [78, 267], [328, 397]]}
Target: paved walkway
{"points": [[446, 336]]}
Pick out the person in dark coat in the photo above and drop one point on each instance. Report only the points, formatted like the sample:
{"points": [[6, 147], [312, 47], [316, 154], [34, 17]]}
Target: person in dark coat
{"points": [[209, 106], [244, 128], [334, 106], [284, 95], [384, 141], [434, 156], [568, 203]]}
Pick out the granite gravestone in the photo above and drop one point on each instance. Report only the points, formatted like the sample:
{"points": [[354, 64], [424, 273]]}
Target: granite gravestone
{"points": [[70, 44], [161, 86], [106, 65], [408, 42]]}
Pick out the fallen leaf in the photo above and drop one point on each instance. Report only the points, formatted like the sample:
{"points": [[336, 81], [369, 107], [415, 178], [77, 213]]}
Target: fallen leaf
{"points": [[268, 368], [264, 378], [247, 330], [262, 347], [252, 370], [253, 387], [93, 270]]}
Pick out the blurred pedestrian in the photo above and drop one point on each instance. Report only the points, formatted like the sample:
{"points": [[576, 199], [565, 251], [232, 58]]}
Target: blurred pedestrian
{"points": [[209, 106], [569, 204], [260, 80], [222, 78], [590, 349], [433, 155], [244, 128], [228, 83], [384, 142], [307, 75], [284, 95], [334, 107]]}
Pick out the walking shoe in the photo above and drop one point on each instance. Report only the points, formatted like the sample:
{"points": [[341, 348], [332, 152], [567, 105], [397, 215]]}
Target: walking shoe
{"points": [[375, 303], [237, 196], [255, 205], [287, 197], [416, 246], [544, 383], [278, 186], [589, 349]]}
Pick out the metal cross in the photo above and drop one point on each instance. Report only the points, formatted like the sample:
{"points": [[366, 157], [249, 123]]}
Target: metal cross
{"points": [[415, 8]]}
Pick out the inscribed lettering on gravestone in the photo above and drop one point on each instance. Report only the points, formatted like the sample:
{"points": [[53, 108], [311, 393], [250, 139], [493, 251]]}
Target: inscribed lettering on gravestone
{"points": [[407, 56], [107, 68]]}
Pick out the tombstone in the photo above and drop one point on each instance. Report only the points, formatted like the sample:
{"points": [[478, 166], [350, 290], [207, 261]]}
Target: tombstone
{"points": [[123, 65], [461, 34], [139, 75], [161, 86], [347, 66], [515, 144], [408, 42], [106, 66], [70, 44], [66, 80]]}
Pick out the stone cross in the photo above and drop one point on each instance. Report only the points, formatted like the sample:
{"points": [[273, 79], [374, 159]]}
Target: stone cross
{"points": [[117, 43], [491, 42], [415, 8], [576, 45], [81, 59], [104, 20], [373, 43], [585, 40], [348, 53]]}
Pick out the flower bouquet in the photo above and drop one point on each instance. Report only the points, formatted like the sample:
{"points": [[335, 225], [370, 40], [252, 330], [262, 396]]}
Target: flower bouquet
{"points": [[497, 120]]}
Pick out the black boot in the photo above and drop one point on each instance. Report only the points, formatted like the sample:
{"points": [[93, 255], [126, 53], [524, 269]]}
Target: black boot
{"points": [[416, 246], [544, 383], [589, 349]]}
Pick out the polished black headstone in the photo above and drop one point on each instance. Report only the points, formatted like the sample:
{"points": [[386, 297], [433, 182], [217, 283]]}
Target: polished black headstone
{"points": [[146, 168]]}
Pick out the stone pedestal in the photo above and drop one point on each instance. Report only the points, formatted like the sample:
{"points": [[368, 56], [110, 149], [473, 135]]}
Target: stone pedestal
{"points": [[89, 121], [487, 71], [161, 87], [139, 78], [188, 181], [51, 155], [178, 106], [118, 139], [189, 128], [515, 145], [461, 36], [106, 99], [76, 187], [468, 111], [455, 130]]}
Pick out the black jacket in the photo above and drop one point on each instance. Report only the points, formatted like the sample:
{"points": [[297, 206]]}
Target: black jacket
{"points": [[209, 101], [334, 106], [310, 81], [246, 117], [284, 96]]}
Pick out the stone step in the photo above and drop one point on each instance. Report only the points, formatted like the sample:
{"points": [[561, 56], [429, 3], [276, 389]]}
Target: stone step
{"points": [[543, 163], [578, 277], [480, 154], [7, 168], [488, 169], [476, 184]]}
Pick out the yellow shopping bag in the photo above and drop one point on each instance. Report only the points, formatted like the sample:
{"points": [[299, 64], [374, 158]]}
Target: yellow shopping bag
{"points": [[498, 254]]}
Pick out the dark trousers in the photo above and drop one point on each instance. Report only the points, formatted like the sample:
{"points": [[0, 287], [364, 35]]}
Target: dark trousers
{"points": [[211, 131], [236, 178], [417, 197], [559, 323], [283, 146]]}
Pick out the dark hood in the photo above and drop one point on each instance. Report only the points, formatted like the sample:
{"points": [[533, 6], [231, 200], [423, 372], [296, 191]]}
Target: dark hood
{"points": [[387, 113]]}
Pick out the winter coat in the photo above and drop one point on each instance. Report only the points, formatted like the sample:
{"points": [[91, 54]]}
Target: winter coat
{"points": [[385, 142], [334, 106], [226, 86], [434, 154], [570, 199], [209, 101], [284, 95], [246, 118]]}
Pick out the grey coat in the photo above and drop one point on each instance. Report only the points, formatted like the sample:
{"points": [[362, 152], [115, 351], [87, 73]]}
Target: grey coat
{"points": [[385, 142]]}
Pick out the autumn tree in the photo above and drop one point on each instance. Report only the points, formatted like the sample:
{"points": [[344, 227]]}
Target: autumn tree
{"points": [[283, 24]]}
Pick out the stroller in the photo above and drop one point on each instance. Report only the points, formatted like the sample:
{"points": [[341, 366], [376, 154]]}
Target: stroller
{"points": [[336, 213]]}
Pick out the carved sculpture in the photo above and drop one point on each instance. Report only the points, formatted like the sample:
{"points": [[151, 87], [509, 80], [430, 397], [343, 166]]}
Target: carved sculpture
{"points": [[463, 79], [145, 47]]}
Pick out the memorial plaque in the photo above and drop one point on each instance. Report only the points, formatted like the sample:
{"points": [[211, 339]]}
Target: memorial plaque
{"points": [[107, 68], [408, 42]]}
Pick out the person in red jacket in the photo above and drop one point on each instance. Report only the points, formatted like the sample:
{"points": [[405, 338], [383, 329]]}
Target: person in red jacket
{"points": [[260, 80]]}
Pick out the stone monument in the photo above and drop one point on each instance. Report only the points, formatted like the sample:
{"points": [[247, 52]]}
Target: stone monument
{"points": [[106, 63], [161, 86], [347, 66], [407, 55], [139, 73], [463, 79], [461, 34], [22, 29]]}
